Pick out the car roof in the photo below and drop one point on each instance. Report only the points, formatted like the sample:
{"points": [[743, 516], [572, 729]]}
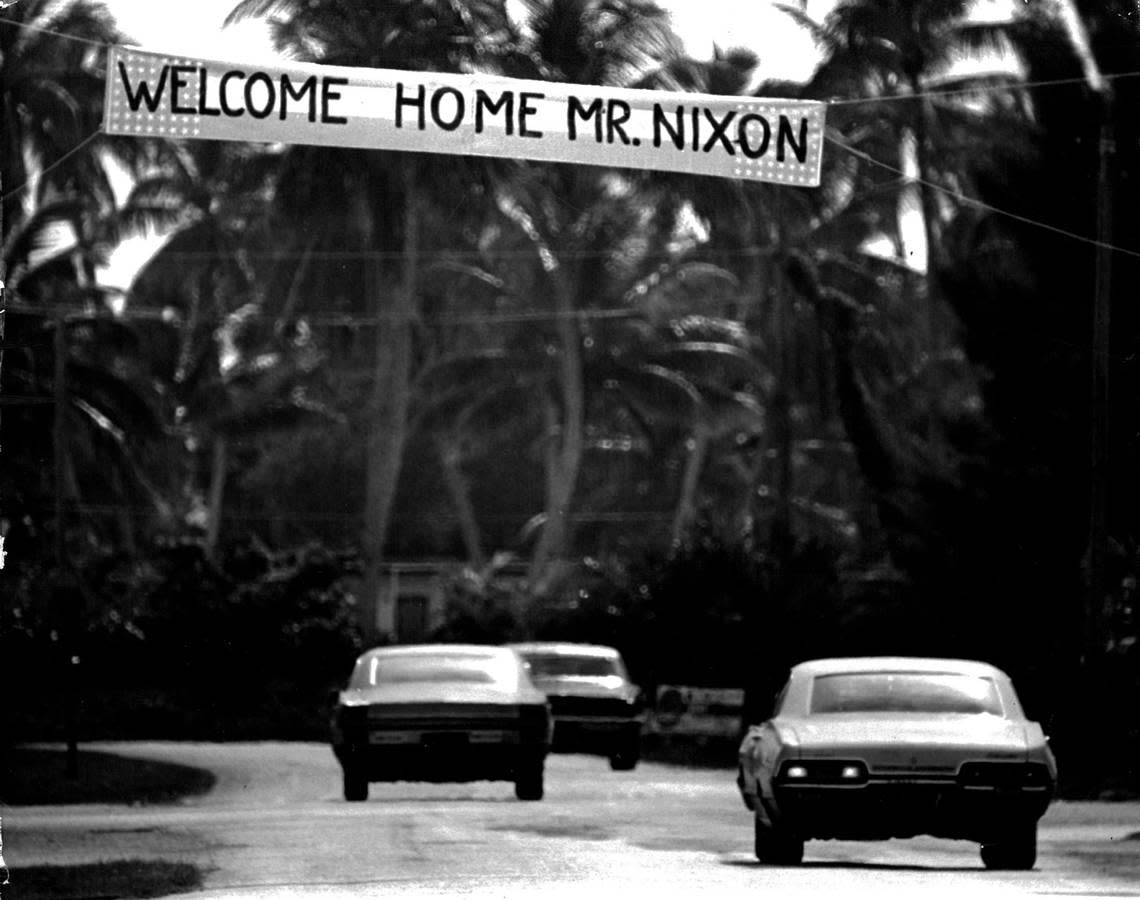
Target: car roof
{"points": [[564, 648], [437, 650], [895, 664]]}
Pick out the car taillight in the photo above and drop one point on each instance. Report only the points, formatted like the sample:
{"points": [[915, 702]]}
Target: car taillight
{"points": [[822, 771]]}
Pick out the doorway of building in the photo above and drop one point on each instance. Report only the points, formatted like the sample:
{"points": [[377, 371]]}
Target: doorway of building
{"points": [[411, 618]]}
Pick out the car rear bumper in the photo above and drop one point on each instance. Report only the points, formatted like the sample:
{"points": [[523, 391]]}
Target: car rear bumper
{"points": [[882, 811], [439, 761], [598, 733]]}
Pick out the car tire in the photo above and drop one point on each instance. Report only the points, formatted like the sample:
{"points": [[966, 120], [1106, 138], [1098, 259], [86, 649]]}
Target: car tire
{"points": [[355, 786], [1016, 851], [776, 846], [529, 781], [626, 755]]}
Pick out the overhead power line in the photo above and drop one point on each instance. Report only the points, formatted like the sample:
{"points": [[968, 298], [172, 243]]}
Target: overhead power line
{"points": [[981, 204]]}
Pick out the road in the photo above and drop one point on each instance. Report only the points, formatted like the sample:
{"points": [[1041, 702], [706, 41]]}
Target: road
{"points": [[275, 826]]}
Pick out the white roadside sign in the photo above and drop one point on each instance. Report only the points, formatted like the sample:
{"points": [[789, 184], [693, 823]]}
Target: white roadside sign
{"points": [[686, 710]]}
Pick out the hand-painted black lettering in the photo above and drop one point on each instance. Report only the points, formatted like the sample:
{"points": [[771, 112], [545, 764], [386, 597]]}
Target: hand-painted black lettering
{"points": [[270, 95], [575, 109], [141, 93], [460, 108], [417, 103], [695, 115], [676, 134], [742, 135], [785, 136], [525, 111], [232, 111], [720, 126], [617, 114], [484, 103], [203, 108], [308, 86], [177, 83], [328, 95]]}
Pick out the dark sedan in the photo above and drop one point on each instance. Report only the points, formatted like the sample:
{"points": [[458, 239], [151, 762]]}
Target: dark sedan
{"points": [[596, 707], [441, 712]]}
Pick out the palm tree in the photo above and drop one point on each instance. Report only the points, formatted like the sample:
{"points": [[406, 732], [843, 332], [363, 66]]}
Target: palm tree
{"points": [[695, 371], [52, 105], [382, 201], [570, 217], [227, 375], [898, 52], [760, 233], [56, 226]]}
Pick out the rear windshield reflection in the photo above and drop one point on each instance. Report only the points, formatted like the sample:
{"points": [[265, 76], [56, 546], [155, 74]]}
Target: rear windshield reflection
{"points": [[917, 692]]}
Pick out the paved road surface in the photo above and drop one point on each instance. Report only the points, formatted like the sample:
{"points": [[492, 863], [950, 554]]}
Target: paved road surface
{"points": [[275, 826]]}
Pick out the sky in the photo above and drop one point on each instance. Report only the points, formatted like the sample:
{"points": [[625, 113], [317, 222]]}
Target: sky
{"points": [[784, 50]]}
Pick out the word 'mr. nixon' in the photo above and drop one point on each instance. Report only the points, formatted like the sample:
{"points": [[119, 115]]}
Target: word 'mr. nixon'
{"points": [[707, 130]]}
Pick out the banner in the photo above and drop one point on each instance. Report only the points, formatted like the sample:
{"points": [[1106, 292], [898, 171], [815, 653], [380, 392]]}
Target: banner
{"points": [[158, 95]]}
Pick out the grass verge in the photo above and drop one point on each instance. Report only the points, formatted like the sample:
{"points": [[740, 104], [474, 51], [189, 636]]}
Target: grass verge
{"points": [[129, 878], [38, 775]]}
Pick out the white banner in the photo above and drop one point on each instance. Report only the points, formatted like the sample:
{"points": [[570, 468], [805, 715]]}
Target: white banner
{"points": [[157, 95]]}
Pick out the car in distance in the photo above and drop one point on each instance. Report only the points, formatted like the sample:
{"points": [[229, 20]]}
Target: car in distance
{"points": [[441, 712], [892, 747], [597, 709]]}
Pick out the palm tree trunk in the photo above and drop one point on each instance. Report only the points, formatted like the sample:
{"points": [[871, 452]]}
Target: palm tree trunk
{"points": [[933, 340], [218, 463], [388, 407], [126, 523], [931, 220], [450, 461], [565, 434], [690, 481], [780, 533]]}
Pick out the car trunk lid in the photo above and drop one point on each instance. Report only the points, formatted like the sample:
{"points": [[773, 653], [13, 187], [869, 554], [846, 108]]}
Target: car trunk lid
{"points": [[899, 743], [438, 693]]}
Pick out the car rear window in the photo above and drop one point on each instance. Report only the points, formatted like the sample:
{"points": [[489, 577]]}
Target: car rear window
{"points": [[917, 692], [552, 665], [452, 667]]}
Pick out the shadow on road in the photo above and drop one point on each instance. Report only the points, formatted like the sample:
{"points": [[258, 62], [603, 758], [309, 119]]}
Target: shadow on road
{"points": [[842, 864], [38, 775], [128, 878], [377, 797]]}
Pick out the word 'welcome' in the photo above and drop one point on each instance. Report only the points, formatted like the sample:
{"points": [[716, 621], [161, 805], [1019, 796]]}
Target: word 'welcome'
{"points": [[752, 138]]}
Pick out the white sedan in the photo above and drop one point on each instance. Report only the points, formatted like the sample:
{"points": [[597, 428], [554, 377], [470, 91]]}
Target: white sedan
{"points": [[892, 747]]}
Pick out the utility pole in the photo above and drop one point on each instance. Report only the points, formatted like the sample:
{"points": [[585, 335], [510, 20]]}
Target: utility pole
{"points": [[3, 314], [1096, 551], [66, 596], [1094, 625]]}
